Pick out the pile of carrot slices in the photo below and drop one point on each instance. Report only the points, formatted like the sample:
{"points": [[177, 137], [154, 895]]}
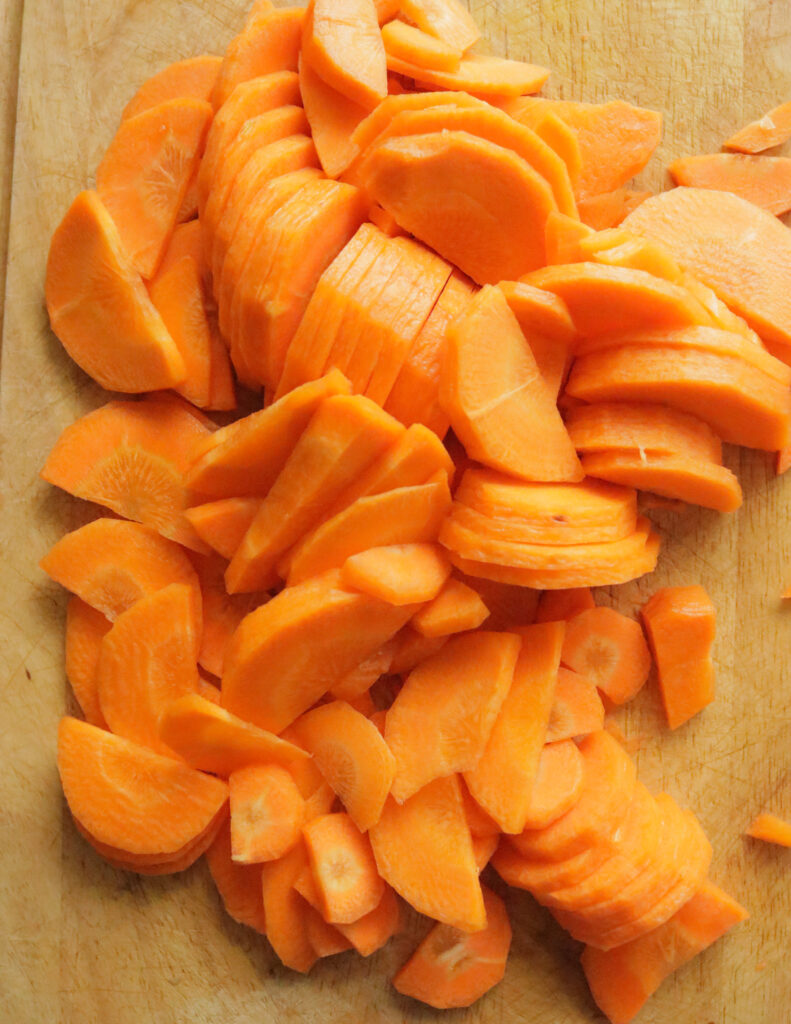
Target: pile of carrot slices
{"points": [[345, 644]]}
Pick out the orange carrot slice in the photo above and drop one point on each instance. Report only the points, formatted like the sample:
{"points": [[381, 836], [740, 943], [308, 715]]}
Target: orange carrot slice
{"points": [[563, 140], [268, 43], [653, 429], [372, 930], [352, 756], [423, 848], [412, 648], [559, 605], [563, 235], [354, 687], [343, 43], [333, 118], [455, 609], [557, 785], [222, 612], [284, 910], [193, 77], [547, 327], [267, 813], [765, 181], [490, 77], [222, 524], [445, 19], [770, 829], [609, 209], [465, 685], [610, 650], [406, 42], [508, 606], [85, 630], [399, 573], [239, 885], [343, 867], [577, 708], [451, 968], [773, 129]]}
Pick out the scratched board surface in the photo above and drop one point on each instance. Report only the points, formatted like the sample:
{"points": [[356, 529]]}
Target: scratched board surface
{"points": [[82, 942]]}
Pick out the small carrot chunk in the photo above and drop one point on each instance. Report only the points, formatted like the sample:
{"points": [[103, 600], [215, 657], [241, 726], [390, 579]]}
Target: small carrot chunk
{"points": [[344, 868], [771, 829], [398, 573], [557, 605], [557, 785], [610, 650], [456, 609], [577, 708], [267, 813], [85, 630]]}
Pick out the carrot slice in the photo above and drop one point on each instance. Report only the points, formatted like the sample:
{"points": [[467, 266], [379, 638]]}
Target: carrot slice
{"points": [[343, 867], [577, 708], [284, 910], [372, 930], [412, 648], [423, 848], [773, 129], [343, 43], [193, 77], [770, 829], [557, 785], [333, 118], [547, 327], [352, 756], [455, 609], [618, 247], [765, 181], [268, 43], [563, 237], [464, 685], [406, 42], [111, 564], [131, 798], [559, 605], [186, 240], [445, 19], [267, 813], [539, 875], [287, 654], [610, 650], [451, 968], [609, 209], [508, 606], [355, 686], [85, 630], [486, 76], [680, 623], [399, 573], [653, 429], [503, 779], [563, 140], [239, 885], [222, 524], [222, 612]]}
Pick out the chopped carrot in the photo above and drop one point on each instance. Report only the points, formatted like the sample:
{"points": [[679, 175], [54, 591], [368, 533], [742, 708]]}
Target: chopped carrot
{"points": [[85, 629], [342, 42], [411, 44], [195, 77], [639, 428], [609, 209], [222, 612], [357, 683], [562, 237], [609, 649], [325, 938], [333, 118], [557, 785], [448, 20], [413, 648], [455, 609], [478, 74], [773, 129], [222, 524], [563, 140], [239, 885], [286, 927], [483, 848], [577, 708], [372, 930], [399, 574], [559, 605], [770, 829], [343, 867], [267, 813], [765, 180]]}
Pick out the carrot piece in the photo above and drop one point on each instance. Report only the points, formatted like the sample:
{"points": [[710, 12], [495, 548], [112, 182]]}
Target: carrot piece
{"points": [[456, 609], [577, 708], [85, 629], [325, 938], [618, 247], [284, 910], [268, 43], [399, 573], [423, 848], [441, 720], [208, 690], [239, 885], [559, 605], [640, 427], [406, 42], [186, 240], [424, 180], [352, 756], [356, 684], [508, 606], [406, 515], [773, 129], [494, 404], [557, 785], [770, 829], [333, 118], [680, 624], [504, 777], [483, 76], [386, 9], [413, 648], [563, 235], [609, 209], [343, 44], [765, 181], [622, 979], [539, 875], [143, 176], [610, 650], [222, 524], [287, 654], [222, 612], [343, 867], [193, 77], [267, 813], [482, 826], [539, 313], [131, 798], [447, 20], [372, 930], [563, 140]]}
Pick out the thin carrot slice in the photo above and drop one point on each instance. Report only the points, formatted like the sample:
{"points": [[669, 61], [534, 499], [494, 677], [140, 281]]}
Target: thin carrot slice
{"points": [[563, 235], [222, 612], [222, 524], [680, 624], [773, 129], [286, 927], [508, 606], [406, 42], [577, 708], [609, 209], [465, 685], [653, 429], [445, 19], [765, 181], [423, 848], [186, 240], [343, 867], [539, 875], [610, 650], [267, 813], [770, 829], [268, 43], [111, 564], [343, 44], [85, 630], [352, 756], [563, 140], [484, 76], [193, 77], [399, 573], [559, 605], [412, 648], [239, 885], [557, 785], [547, 327], [333, 118], [618, 247], [325, 938], [455, 609]]}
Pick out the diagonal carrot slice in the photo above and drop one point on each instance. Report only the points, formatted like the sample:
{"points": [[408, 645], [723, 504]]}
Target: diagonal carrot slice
{"points": [[286, 927], [85, 629], [416, 46], [222, 612], [479, 74], [342, 42], [195, 77], [577, 708], [773, 129], [343, 868], [239, 885], [333, 118], [222, 524], [448, 20]]}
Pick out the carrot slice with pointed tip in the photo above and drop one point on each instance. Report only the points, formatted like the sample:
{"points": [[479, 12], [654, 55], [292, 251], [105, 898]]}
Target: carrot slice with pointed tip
{"points": [[563, 140], [557, 605], [398, 573], [483, 847], [481, 75], [222, 524], [85, 629], [765, 181], [222, 612], [239, 885], [563, 237], [770, 829], [406, 42], [773, 129], [333, 118], [286, 927], [267, 813], [342, 41], [343, 867], [577, 708], [448, 20], [456, 609], [268, 43], [610, 650]]}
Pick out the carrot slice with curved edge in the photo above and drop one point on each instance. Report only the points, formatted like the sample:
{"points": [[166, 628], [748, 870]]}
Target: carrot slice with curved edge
{"points": [[482, 826], [563, 140], [508, 606], [512, 531], [456, 609], [770, 829], [268, 43], [539, 875], [483, 847], [445, 19], [343, 868], [131, 457], [503, 779], [148, 659], [186, 240], [406, 515], [412, 648], [131, 798], [222, 612], [239, 885], [451, 968], [195, 77], [738, 255], [423, 849], [577, 708], [477, 204], [563, 237], [398, 573], [267, 813], [680, 624], [372, 930], [85, 629], [622, 979], [222, 524], [111, 564], [345, 435], [653, 429], [765, 181], [342, 42], [87, 260], [406, 42], [618, 247], [547, 327], [333, 118], [464, 685], [481, 75], [247, 456], [495, 402], [325, 938], [352, 756], [557, 785], [143, 176], [610, 650], [773, 129], [273, 674], [609, 209], [284, 910], [355, 686], [212, 739], [559, 605]]}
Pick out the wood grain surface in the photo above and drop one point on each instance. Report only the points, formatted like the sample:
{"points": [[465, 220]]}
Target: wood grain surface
{"points": [[83, 943]]}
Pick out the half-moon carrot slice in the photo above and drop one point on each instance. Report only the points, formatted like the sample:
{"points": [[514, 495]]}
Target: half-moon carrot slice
{"points": [[539, 875], [222, 612], [343, 868], [773, 129], [557, 785], [563, 140], [222, 524], [398, 573], [412, 44], [765, 181], [195, 77], [333, 118], [514, 531], [481, 75], [456, 609], [239, 885], [342, 42], [563, 237], [412, 648], [577, 708], [85, 629], [267, 813], [370, 932], [284, 909], [446, 19], [610, 650]]}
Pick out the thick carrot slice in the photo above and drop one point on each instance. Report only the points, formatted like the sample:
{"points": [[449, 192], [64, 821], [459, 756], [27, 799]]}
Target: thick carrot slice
{"points": [[412, 648], [343, 44], [482, 826], [770, 829], [239, 885], [352, 756], [143, 176], [609, 649], [131, 798], [222, 524], [547, 327], [193, 77], [343, 868], [618, 247], [557, 784], [110, 564], [93, 292], [447, 20], [765, 181], [541, 876], [496, 403], [680, 623], [426, 180], [773, 129], [622, 979], [451, 968], [441, 720], [503, 779], [406, 42], [284, 910], [399, 574], [653, 429], [456, 609], [186, 240], [287, 654], [372, 930], [559, 605], [577, 708], [85, 630], [485, 76], [333, 118], [423, 848], [508, 606], [267, 813], [147, 660], [268, 43]]}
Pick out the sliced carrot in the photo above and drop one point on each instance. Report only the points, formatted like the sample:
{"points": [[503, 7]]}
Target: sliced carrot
{"points": [[448, 20], [267, 813], [352, 756], [765, 181], [609, 209], [333, 118], [372, 930], [406, 42], [356, 684], [503, 780], [465, 684], [770, 829], [193, 77], [222, 524], [482, 826], [423, 848], [399, 574], [325, 938], [618, 247], [563, 235], [386, 9], [609, 649], [540, 313], [577, 708], [186, 240], [559, 605], [773, 129], [485, 76], [343, 44], [539, 875], [239, 885], [85, 629], [208, 690], [111, 564], [413, 648], [557, 785], [563, 140], [508, 606], [343, 867], [455, 609], [284, 910], [653, 429], [222, 612]]}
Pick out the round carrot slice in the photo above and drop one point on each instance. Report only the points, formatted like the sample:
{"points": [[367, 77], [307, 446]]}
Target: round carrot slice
{"points": [[558, 783], [610, 650], [267, 813]]}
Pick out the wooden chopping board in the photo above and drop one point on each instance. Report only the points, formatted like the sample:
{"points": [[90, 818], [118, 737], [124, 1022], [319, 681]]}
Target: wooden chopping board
{"points": [[83, 943]]}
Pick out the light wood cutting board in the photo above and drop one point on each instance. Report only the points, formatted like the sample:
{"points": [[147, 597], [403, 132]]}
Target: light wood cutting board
{"points": [[83, 943]]}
